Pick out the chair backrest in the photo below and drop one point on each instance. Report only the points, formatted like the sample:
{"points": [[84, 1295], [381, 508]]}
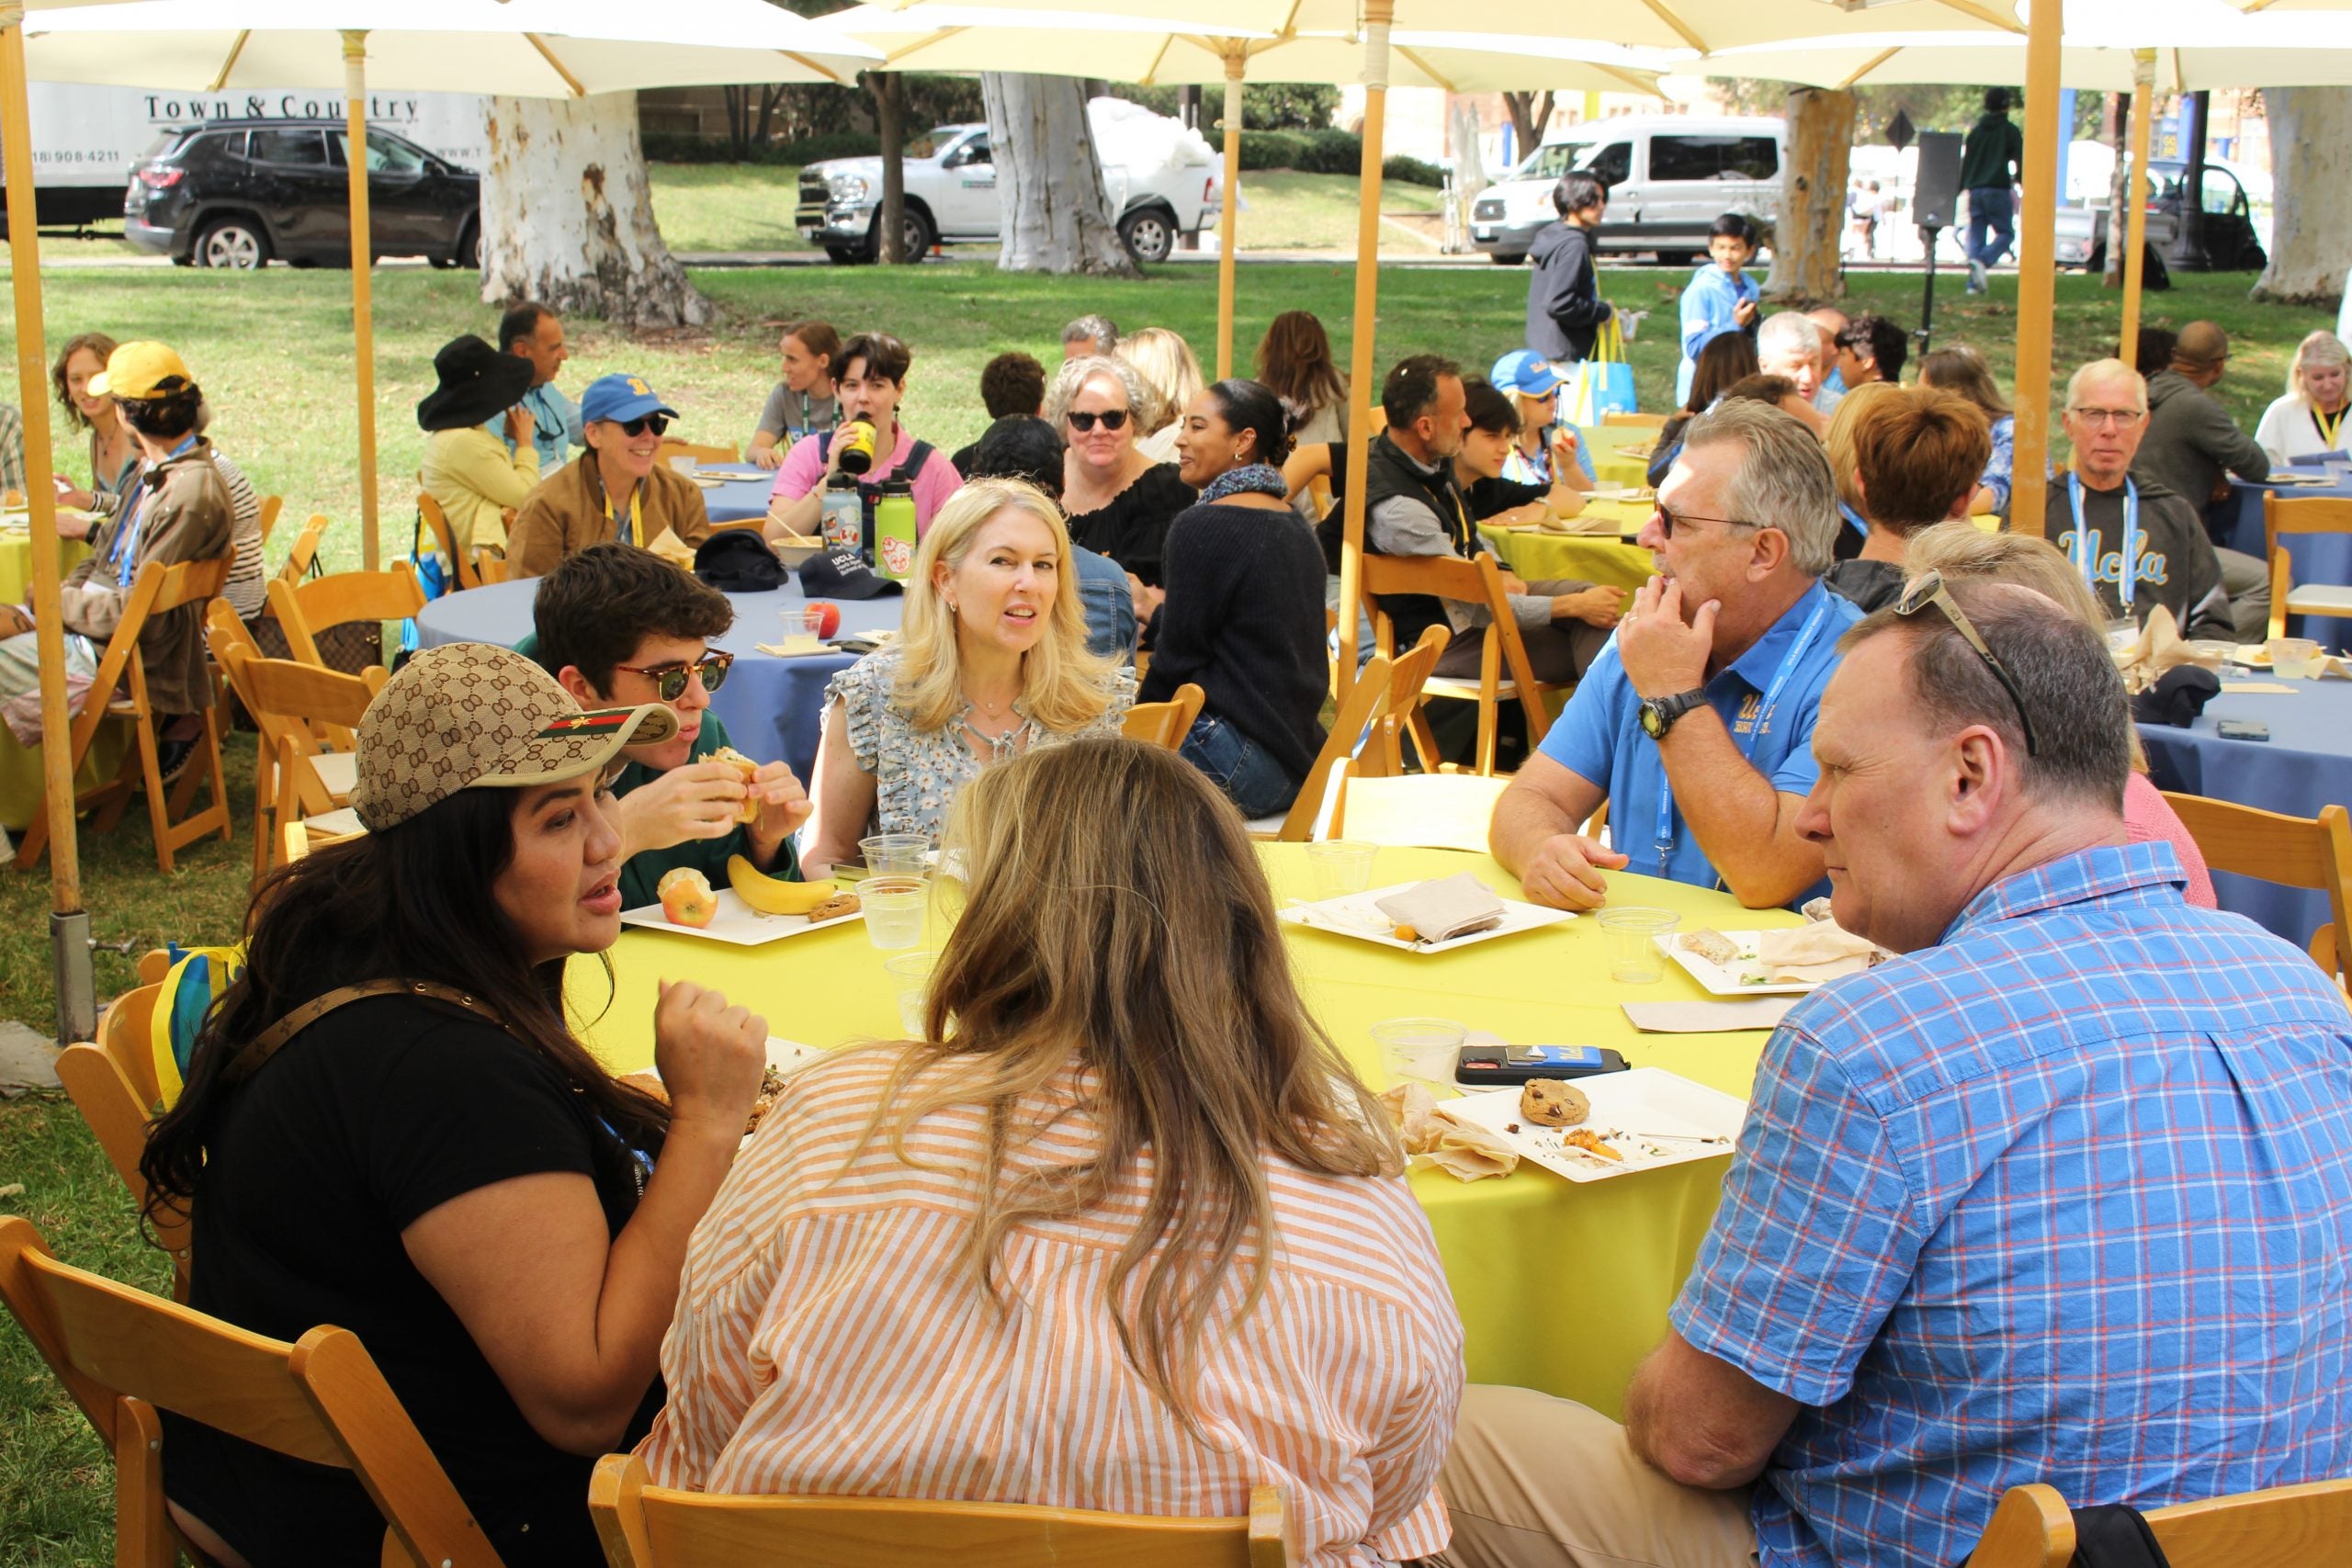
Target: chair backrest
{"points": [[1367, 699], [490, 566], [2286, 1526], [156, 589], [1165, 724], [2302, 514], [126, 1032], [118, 1112], [445, 538], [671, 447], [1478, 581], [124, 1354], [1430, 811], [303, 711], [1384, 749], [271, 505], [643, 1526], [306, 609], [304, 550], [2315, 853]]}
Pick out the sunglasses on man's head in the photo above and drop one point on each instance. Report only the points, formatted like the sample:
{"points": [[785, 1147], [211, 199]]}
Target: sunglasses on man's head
{"points": [[669, 680], [1927, 589], [658, 423], [1113, 419]]}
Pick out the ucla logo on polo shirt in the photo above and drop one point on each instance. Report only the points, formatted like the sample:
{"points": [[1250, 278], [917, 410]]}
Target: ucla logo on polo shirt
{"points": [[1751, 708]]}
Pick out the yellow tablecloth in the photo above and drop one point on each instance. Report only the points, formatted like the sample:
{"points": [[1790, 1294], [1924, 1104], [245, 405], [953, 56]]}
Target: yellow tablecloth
{"points": [[1610, 466], [17, 562], [1611, 559], [1561, 1286], [21, 778]]}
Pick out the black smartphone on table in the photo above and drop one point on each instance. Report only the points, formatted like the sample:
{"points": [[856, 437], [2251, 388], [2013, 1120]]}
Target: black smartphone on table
{"points": [[1499, 1066]]}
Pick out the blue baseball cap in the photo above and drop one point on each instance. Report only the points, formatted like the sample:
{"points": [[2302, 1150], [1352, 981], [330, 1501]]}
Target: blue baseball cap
{"points": [[1526, 372], [620, 398]]}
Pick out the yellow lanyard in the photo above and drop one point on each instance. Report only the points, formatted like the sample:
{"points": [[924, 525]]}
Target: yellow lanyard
{"points": [[2328, 425], [635, 534]]}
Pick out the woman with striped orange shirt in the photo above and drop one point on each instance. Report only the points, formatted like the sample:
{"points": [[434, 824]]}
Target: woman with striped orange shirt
{"points": [[1132, 1239]]}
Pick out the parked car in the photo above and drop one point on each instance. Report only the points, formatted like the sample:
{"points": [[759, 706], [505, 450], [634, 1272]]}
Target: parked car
{"points": [[237, 193], [1162, 180], [1668, 178], [2231, 243]]}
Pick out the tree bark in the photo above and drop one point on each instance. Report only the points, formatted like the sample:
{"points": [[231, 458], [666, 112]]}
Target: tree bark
{"points": [[1056, 214], [1530, 113], [568, 217], [2118, 210], [890, 125], [2311, 223], [1805, 237]]}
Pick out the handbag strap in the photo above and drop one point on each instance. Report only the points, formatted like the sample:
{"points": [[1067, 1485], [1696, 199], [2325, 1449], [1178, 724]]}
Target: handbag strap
{"points": [[263, 1047]]}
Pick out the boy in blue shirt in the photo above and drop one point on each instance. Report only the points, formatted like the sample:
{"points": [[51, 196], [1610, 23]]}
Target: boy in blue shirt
{"points": [[1720, 298]]}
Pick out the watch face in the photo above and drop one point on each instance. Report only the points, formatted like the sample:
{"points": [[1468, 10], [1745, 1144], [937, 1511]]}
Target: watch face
{"points": [[1653, 718]]}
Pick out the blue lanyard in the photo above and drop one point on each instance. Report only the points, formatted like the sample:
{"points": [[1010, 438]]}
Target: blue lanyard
{"points": [[125, 559], [2086, 558], [1789, 662], [1855, 518]]}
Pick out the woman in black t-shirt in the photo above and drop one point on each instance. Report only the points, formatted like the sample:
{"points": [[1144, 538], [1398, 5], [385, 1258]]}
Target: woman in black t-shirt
{"points": [[1118, 500], [437, 1165]]}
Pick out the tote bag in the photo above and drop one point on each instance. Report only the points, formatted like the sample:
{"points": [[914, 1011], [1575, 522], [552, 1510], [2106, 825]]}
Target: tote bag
{"points": [[1602, 384]]}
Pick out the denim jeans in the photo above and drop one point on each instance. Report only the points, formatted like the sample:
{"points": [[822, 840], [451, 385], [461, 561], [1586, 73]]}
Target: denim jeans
{"points": [[1990, 210], [1251, 779]]}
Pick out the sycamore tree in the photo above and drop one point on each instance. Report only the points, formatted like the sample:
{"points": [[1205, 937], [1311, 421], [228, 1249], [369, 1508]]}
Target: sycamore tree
{"points": [[1057, 213], [2311, 223]]}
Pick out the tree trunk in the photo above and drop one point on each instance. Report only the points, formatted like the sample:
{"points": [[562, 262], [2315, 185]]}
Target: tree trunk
{"points": [[1057, 213], [890, 124], [2311, 223], [1805, 238], [2119, 193], [567, 218], [1530, 113]]}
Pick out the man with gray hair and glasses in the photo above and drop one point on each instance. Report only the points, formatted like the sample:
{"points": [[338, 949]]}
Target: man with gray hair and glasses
{"points": [[2060, 1192], [1693, 724]]}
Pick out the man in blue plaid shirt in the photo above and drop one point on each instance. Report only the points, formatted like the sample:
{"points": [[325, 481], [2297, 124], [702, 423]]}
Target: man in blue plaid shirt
{"points": [[2064, 1194]]}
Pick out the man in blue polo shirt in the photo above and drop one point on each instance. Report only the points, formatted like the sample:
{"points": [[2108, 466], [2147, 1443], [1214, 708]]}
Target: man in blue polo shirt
{"points": [[1695, 723]]}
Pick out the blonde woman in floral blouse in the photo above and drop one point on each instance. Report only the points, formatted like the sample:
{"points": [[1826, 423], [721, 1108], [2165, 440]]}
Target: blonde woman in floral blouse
{"points": [[991, 661]]}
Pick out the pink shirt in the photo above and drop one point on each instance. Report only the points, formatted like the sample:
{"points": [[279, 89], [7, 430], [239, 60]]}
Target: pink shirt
{"points": [[2149, 816], [804, 466]]}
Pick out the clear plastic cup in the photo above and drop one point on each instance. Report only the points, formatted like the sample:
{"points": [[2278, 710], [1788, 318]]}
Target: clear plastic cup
{"points": [[910, 983], [1405, 1041], [2294, 658], [1341, 866], [895, 854], [1635, 958], [893, 906]]}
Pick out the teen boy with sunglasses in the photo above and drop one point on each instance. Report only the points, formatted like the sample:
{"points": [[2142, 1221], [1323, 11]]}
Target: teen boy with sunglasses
{"points": [[621, 627], [618, 489]]}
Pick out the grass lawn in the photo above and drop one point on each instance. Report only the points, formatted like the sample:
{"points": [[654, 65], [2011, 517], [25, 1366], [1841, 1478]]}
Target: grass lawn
{"points": [[273, 352]]}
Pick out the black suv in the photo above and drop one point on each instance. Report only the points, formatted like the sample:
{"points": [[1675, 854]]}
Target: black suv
{"points": [[236, 192]]}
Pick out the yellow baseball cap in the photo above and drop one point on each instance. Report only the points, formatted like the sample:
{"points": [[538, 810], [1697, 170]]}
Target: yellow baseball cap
{"points": [[141, 369]]}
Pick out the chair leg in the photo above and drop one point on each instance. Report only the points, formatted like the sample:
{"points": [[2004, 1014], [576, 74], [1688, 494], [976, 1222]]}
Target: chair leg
{"points": [[159, 813], [1425, 740]]}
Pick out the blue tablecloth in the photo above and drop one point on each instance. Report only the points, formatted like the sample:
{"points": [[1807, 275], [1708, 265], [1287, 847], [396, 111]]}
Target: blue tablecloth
{"points": [[2318, 558], [2305, 764], [774, 708], [741, 499]]}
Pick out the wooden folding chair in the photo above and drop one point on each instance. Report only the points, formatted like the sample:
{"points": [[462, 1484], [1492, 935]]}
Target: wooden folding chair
{"points": [[445, 538], [124, 1355], [1431, 811], [306, 609], [1479, 582], [1367, 699], [304, 550], [671, 447], [305, 762], [490, 566], [2304, 514], [2286, 1526], [644, 1526], [271, 505], [2315, 853], [1165, 724], [1383, 755], [119, 691], [118, 1116], [1614, 420]]}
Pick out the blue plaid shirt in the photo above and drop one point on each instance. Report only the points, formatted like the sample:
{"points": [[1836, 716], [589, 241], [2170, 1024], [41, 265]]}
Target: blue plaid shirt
{"points": [[2067, 1198]]}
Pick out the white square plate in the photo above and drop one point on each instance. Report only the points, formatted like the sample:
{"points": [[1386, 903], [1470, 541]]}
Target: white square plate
{"points": [[1651, 1116], [1724, 979], [1358, 915], [736, 921]]}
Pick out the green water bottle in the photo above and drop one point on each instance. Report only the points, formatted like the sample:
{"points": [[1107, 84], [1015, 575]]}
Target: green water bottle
{"points": [[894, 530]]}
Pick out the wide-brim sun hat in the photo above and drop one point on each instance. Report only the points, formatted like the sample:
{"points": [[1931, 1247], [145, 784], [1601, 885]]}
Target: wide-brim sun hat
{"points": [[478, 384]]}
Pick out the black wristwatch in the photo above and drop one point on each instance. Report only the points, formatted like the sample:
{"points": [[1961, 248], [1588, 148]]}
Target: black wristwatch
{"points": [[1659, 714]]}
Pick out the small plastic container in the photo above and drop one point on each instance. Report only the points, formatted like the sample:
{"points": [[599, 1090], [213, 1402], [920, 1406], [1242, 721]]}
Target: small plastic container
{"points": [[1635, 958], [2294, 658], [1341, 866], [1405, 1041], [910, 984], [895, 854], [893, 907]]}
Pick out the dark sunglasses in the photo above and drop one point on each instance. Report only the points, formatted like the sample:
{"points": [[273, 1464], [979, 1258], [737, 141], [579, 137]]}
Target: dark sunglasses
{"points": [[669, 680], [1113, 419], [658, 423], [1667, 520], [1927, 589]]}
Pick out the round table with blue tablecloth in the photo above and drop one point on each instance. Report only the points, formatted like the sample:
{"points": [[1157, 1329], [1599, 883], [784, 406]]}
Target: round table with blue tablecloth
{"points": [[774, 708], [738, 500], [2318, 558], [2305, 764]]}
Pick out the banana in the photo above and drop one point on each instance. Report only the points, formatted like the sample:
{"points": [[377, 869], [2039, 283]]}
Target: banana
{"points": [[772, 896]]}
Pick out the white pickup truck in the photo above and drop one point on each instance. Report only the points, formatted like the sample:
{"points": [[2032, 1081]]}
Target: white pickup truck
{"points": [[1163, 180]]}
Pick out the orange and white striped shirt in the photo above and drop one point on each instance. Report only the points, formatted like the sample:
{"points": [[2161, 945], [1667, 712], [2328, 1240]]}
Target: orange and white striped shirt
{"points": [[831, 1338]]}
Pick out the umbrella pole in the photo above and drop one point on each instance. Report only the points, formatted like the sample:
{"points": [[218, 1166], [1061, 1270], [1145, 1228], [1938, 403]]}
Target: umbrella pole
{"points": [[1235, 61], [69, 924], [2037, 269], [363, 322], [2144, 93], [1376, 15]]}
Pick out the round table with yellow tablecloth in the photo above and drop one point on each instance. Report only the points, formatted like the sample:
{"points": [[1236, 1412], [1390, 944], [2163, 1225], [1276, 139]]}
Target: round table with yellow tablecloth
{"points": [[1611, 464], [17, 562], [1607, 557], [1561, 1286]]}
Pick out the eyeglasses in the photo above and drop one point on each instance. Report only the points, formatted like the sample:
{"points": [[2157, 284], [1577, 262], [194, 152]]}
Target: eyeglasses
{"points": [[1113, 419], [658, 423], [2123, 419], [1668, 520], [1927, 589], [669, 680]]}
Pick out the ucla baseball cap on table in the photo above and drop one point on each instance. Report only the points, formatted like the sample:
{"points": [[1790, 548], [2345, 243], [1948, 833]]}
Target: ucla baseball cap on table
{"points": [[620, 398], [841, 573], [475, 715], [1526, 372], [144, 369]]}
